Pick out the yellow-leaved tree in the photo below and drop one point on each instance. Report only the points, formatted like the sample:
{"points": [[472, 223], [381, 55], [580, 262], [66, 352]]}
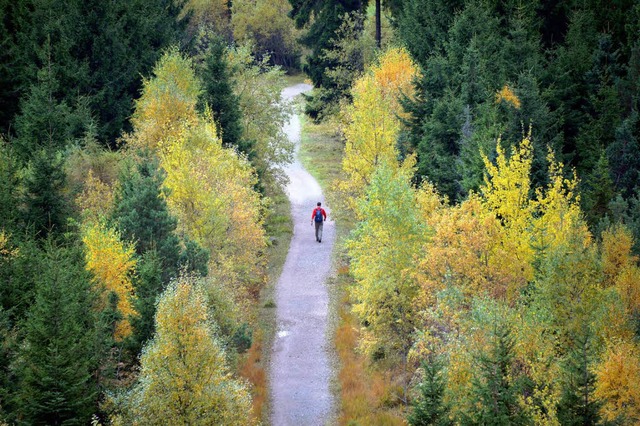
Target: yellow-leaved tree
{"points": [[618, 384], [210, 188], [168, 102], [373, 121], [112, 263], [382, 252], [184, 378], [212, 195]]}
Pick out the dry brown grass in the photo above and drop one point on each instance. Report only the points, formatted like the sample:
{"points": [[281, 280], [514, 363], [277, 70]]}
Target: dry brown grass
{"points": [[251, 368], [364, 392]]}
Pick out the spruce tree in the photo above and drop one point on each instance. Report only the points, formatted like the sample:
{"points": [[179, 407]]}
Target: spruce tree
{"points": [[57, 358], [45, 208], [219, 96], [148, 287], [8, 187], [142, 215], [430, 408], [496, 387], [578, 404]]}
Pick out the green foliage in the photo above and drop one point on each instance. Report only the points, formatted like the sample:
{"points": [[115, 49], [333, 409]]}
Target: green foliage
{"points": [[219, 96], [496, 388], [92, 50], [570, 67], [148, 286], [381, 249], [258, 87], [430, 408], [322, 35], [9, 182], [142, 215], [57, 358], [578, 405], [265, 24], [45, 208], [194, 258]]}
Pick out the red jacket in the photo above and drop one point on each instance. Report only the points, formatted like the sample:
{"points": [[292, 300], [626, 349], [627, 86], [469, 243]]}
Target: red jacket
{"points": [[324, 214]]}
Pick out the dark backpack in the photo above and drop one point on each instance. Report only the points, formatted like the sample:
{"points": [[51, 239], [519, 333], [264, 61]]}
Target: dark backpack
{"points": [[318, 217]]}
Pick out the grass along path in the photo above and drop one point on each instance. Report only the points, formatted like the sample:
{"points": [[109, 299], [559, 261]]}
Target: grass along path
{"points": [[366, 395]]}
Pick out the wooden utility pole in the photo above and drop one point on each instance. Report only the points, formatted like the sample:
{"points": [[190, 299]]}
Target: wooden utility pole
{"points": [[378, 25]]}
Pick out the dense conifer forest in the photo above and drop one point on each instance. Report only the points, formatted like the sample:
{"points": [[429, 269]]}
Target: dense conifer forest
{"points": [[489, 185]]}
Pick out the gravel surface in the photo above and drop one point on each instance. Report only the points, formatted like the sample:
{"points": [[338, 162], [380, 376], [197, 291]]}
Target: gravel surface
{"points": [[300, 372]]}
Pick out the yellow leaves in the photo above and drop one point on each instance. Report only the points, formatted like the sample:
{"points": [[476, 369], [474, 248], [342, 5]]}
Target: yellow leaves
{"points": [[507, 184], [112, 263], [96, 200], [620, 267], [5, 250], [210, 187], [506, 95], [559, 210], [373, 122], [168, 101], [184, 377], [394, 76], [211, 194], [618, 382]]}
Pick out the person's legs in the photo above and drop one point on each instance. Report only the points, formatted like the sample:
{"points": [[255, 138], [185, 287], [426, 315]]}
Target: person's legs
{"points": [[318, 231]]}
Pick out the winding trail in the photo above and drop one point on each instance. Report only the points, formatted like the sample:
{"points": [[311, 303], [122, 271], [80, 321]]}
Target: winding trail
{"points": [[300, 371]]}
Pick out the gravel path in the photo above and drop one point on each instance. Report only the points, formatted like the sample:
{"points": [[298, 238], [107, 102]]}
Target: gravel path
{"points": [[300, 366]]}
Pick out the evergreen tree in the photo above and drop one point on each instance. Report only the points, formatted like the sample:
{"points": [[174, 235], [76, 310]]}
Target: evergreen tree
{"points": [[597, 191], [120, 42], [623, 155], [45, 208], [324, 19], [8, 75], [8, 187], [57, 357], [496, 387], [44, 120], [148, 287], [423, 26], [219, 96], [430, 408], [578, 405], [142, 214]]}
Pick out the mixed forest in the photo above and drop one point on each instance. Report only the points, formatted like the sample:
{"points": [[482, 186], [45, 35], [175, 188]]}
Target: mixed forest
{"points": [[490, 177]]}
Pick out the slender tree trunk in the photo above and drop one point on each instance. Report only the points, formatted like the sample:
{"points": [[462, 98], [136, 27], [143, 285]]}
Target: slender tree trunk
{"points": [[378, 25]]}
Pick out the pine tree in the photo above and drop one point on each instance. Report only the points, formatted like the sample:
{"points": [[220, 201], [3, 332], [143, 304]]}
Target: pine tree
{"points": [[120, 42], [45, 121], [142, 215], [430, 409], [578, 404], [57, 357]]}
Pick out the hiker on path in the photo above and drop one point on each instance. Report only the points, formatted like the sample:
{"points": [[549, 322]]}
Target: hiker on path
{"points": [[318, 217]]}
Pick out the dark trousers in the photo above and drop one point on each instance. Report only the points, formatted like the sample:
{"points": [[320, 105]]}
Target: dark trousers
{"points": [[318, 231]]}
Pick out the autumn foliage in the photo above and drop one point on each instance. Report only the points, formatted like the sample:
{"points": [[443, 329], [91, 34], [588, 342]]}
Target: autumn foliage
{"points": [[509, 277]]}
